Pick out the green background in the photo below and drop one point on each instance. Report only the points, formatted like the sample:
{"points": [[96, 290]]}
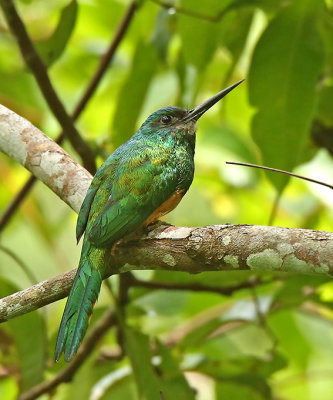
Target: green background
{"points": [[274, 341]]}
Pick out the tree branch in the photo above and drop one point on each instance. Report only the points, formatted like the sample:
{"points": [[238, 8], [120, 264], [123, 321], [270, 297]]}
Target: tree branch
{"points": [[26, 144], [90, 90], [39, 71], [212, 248], [193, 250]]}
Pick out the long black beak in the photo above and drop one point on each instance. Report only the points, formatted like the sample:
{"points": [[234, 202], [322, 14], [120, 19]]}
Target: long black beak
{"points": [[198, 111]]}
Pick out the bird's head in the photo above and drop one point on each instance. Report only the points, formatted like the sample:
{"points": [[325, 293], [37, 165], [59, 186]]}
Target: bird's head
{"points": [[177, 121]]}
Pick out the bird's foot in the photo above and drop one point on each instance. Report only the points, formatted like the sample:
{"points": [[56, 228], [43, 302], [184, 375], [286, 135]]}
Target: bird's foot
{"points": [[154, 225]]}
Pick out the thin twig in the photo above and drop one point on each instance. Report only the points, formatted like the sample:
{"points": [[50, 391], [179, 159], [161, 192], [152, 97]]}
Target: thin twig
{"points": [[280, 171], [37, 67], [66, 375], [90, 90]]}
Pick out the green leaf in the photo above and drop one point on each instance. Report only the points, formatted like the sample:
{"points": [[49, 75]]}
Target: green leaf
{"points": [[11, 88], [151, 380], [244, 376], [325, 25], [163, 33], [199, 36], [199, 335], [138, 350], [325, 105], [133, 93], [227, 138], [238, 390], [292, 293], [268, 6], [285, 69], [29, 335], [122, 389], [290, 337], [234, 30], [101, 380], [52, 48], [8, 388], [177, 385]]}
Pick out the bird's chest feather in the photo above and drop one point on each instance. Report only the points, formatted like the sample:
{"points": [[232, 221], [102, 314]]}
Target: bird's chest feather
{"points": [[174, 158], [166, 206]]}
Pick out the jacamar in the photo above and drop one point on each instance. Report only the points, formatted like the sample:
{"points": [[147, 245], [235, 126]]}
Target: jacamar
{"points": [[142, 180]]}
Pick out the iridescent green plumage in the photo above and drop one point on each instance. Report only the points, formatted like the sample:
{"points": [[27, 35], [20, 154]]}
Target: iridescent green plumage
{"points": [[143, 179]]}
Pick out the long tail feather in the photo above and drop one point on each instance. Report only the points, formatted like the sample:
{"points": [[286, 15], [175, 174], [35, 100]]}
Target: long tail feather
{"points": [[80, 302]]}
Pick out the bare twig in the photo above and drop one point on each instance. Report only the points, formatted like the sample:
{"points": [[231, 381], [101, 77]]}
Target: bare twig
{"points": [[281, 171], [278, 195], [39, 71], [88, 345], [101, 69]]}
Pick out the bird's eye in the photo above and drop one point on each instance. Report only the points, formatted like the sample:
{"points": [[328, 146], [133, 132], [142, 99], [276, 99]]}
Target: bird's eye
{"points": [[166, 119]]}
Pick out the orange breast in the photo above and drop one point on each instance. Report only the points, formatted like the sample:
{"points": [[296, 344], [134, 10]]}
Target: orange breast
{"points": [[166, 207]]}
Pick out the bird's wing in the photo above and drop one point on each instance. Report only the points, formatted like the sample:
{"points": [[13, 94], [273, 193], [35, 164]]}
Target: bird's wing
{"points": [[106, 171], [137, 191]]}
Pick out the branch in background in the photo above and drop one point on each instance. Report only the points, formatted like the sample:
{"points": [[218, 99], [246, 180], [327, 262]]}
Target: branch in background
{"points": [[197, 287], [90, 90], [193, 250], [86, 348], [39, 71]]}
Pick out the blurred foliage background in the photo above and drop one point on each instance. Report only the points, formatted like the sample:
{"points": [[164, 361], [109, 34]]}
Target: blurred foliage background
{"points": [[271, 341]]}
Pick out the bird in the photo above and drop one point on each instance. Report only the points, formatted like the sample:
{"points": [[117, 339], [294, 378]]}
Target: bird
{"points": [[142, 180]]}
